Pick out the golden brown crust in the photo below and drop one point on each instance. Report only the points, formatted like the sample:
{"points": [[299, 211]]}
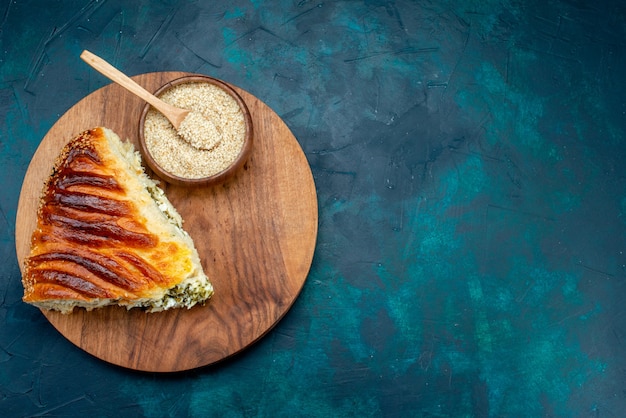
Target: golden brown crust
{"points": [[92, 241]]}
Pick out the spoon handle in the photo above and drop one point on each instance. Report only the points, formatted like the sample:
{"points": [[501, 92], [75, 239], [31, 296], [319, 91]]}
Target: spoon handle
{"points": [[123, 80]]}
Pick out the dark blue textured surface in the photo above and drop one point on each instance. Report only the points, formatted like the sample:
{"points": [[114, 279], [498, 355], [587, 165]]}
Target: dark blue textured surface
{"points": [[468, 158]]}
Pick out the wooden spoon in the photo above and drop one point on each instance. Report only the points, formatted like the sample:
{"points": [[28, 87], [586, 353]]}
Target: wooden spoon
{"points": [[204, 135]]}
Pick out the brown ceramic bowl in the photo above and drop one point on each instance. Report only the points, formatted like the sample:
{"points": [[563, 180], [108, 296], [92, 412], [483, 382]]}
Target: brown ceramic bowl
{"points": [[215, 178]]}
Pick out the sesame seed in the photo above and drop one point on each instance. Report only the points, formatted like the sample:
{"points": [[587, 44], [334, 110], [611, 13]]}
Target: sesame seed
{"points": [[179, 157], [199, 131]]}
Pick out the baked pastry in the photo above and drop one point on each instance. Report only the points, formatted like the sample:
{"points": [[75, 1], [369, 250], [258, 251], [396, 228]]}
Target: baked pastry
{"points": [[107, 235]]}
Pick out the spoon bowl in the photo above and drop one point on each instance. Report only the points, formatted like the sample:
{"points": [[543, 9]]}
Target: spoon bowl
{"points": [[213, 179]]}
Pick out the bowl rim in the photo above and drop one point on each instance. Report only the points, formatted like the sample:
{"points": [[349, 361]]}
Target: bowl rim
{"points": [[216, 178]]}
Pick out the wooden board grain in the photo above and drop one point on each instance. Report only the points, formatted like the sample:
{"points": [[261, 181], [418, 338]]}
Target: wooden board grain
{"points": [[256, 236]]}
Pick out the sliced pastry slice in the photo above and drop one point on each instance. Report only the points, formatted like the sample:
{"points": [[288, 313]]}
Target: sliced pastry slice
{"points": [[107, 235]]}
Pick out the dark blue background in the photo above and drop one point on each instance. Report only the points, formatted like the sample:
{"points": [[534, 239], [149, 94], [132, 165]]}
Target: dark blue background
{"points": [[468, 158]]}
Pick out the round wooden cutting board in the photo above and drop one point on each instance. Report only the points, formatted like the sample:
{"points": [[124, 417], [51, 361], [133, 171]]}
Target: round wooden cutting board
{"points": [[256, 236]]}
